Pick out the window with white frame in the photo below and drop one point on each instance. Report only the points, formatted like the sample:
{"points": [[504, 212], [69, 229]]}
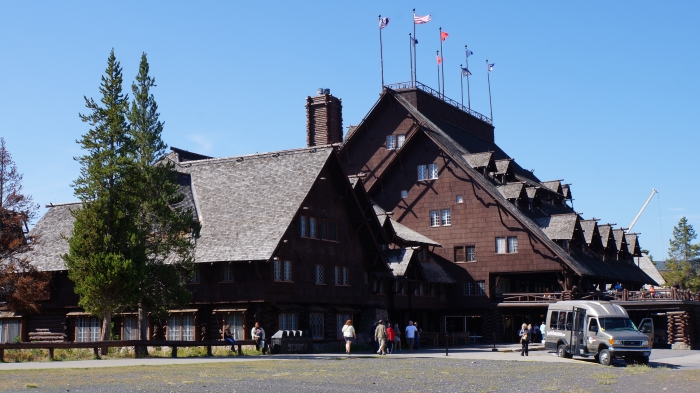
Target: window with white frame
{"points": [[235, 319], [469, 288], [303, 226], [319, 274], [87, 329], [390, 142], [481, 287], [227, 272], [432, 171], [471, 253], [316, 325], [422, 172], [9, 330], [346, 276], [181, 327], [446, 217], [340, 320], [512, 244], [500, 245], [287, 271], [400, 140], [435, 218], [130, 330], [288, 321], [404, 194], [312, 227], [460, 199]]}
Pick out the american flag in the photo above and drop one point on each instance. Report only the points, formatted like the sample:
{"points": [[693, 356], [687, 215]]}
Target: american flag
{"points": [[421, 20], [383, 22], [490, 66], [469, 53], [465, 72]]}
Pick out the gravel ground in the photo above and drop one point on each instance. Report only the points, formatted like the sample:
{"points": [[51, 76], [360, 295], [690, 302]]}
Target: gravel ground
{"points": [[370, 374]]}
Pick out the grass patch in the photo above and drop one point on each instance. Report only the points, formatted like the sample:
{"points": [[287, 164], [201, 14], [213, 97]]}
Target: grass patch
{"points": [[635, 369], [31, 386], [605, 378]]}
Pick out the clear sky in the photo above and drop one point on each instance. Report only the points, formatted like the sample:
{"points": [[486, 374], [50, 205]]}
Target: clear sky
{"points": [[601, 94]]}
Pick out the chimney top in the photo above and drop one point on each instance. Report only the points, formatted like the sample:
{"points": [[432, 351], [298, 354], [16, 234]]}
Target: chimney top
{"points": [[322, 90]]}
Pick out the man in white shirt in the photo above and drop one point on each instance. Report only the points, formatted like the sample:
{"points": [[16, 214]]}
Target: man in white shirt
{"points": [[542, 329], [410, 335]]}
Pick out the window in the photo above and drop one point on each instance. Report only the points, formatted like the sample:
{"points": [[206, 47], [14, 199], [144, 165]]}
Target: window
{"points": [[481, 287], [316, 324], [236, 322], [400, 140], [512, 244], [337, 275], [278, 271], [181, 327], [500, 245], [346, 278], [433, 171], [404, 194], [435, 218], [288, 321], [471, 253], [469, 288], [323, 229], [227, 272], [332, 231], [340, 320], [422, 172], [319, 274], [460, 199], [447, 217], [87, 329], [459, 254], [420, 290], [312, 227], [195, 275], [287, 271], [303, 226], [390, 142], [131, 330], [9, 330]]}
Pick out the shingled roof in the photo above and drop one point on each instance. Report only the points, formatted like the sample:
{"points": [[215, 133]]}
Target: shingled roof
{"points": [[398, 260], [435, 273], [49, 232], [406, 235], [479, 160], [511, 190], [558, 227], [590, 227]]}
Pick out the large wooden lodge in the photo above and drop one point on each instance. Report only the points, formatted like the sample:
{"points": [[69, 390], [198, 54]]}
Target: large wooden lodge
{"points": [[415, 213]]}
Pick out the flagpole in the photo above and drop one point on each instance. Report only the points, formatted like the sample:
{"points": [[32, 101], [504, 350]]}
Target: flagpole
{"points": [[415, 49], [410, 53], [437, 56], [469, 98], [488, 76], [443, 65], [381, 51], [461, 84]]}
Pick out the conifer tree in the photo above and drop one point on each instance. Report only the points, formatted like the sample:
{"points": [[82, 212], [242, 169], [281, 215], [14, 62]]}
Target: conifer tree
{"points": [[683, 265]]}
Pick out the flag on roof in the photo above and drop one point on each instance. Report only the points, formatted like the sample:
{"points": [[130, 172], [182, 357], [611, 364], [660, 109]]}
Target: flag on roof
{"points": [[443, 35], [439, 59], [414, 41], [383, 22], [465, 72], [490, 67], [469, 53], [421, 20]]}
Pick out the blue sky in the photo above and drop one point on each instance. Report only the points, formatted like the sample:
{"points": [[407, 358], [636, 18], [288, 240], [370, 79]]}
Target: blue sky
{"points": [[601, 94]]}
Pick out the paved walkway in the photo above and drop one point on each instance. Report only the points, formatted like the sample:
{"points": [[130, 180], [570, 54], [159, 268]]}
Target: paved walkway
{"points": [[660, 357]]}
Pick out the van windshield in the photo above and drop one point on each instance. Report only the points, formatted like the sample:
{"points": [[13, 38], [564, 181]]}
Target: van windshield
{"points": [[617, 324]]}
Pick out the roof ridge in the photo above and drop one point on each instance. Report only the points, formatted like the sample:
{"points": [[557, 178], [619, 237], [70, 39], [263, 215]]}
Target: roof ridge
{"points": [[313, 149], [63, 204]]}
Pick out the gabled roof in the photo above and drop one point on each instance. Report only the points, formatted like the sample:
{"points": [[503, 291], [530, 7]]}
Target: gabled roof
{"points": [[620, 241], [554, 185], [646, 264], [511, 190], [50, 231], [590, 229], [399, 260], [606, 236], [406, 235], [502, 166], [435, 273], [632, 244], [566, 190], [479, 160], [531, 191], [559, 226]]}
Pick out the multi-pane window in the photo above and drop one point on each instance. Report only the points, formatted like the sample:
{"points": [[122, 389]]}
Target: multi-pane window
{"points": [[316, 325], [181, 327], [422, 172], [323, 229], [390, 142], [500, 245], [337, 275], [512, 244], [433, 171], [130, 328], [236, 322], [332, 230], [446, 217], [400, 140], [227, 272], [195, 275], [319, 274], [312, 227], [9, 330], [435, 218], [87, 329], [346, 276], [288, 321], [303, 226], [287, 271], [471, 253], [460, 199], [465, 254], [481, 287], [469, 288], [277, 270], [404, 194], [459, 254]]}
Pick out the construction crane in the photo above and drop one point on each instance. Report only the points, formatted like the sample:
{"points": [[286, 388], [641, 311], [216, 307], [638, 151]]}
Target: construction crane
{"points": [[653, 191]]}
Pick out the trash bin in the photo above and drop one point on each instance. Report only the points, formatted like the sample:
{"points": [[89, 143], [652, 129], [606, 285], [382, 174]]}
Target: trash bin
{"points": [[291, 341]]}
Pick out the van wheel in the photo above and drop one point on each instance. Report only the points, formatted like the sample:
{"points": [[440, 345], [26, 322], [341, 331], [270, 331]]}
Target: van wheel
{"points": [[604, 357], [561, 352]]}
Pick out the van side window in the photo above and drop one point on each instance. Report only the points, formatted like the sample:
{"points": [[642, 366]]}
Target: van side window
{"points": [[553, 320], [592, 325], [569, 321]]}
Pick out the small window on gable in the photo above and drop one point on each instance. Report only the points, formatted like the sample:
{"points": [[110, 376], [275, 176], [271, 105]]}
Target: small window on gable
{"points": [[512, 244], [390, 142], [400, 140], [433, 171], [404, 194], [422, 172], [460, 199], [500, 245]]}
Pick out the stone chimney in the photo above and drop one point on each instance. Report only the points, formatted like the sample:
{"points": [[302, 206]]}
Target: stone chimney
{"points": [[324, 119]]}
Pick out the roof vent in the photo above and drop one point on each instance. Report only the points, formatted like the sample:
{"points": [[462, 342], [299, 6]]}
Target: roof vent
{"points": [[326, 91], [319, 91]]}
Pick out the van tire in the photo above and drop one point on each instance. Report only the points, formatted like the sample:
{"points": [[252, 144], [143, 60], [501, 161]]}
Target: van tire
{"points": [[561, 352], [604, 357]]}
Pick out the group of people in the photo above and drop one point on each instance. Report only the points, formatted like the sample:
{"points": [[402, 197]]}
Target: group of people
{"points": [[529, 334], [257, 333], [386, 337]]}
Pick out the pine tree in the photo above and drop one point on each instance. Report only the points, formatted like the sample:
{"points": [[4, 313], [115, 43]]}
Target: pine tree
{"points": [[100, 260], [683, 265], [165, 234], [21, 284]]}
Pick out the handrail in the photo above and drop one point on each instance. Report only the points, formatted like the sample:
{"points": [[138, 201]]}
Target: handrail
{"points": [[437, 94], [624, 295]]}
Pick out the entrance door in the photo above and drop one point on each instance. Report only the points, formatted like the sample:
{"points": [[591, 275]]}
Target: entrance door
{"points": [[578, 332]]}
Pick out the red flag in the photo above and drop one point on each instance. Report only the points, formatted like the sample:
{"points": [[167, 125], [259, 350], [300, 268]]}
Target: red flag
{"points": [[443, 35], [439, 59]]}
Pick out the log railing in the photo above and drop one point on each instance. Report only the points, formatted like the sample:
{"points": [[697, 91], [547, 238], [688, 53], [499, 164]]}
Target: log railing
{"points": [[624, 295]]}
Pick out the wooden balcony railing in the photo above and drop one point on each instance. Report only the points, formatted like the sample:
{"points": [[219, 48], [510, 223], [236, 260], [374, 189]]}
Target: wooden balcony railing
{"points": [[624, 295]]}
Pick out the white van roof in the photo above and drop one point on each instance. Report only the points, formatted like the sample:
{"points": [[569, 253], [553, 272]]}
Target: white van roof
{"points": [[593, 308]]}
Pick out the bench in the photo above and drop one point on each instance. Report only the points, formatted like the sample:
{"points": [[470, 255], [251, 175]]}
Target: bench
{"points": [[95, 345]]}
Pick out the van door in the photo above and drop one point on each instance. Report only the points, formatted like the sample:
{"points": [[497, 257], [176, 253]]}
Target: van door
{"points": [[578, 332], [646, 326]]}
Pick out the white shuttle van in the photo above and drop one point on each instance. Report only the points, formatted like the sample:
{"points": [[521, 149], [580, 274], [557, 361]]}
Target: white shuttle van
{"points": [[595, 328]]}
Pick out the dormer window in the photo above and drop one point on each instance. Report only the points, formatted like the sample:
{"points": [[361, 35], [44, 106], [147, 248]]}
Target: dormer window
{"points": [[400, 140], [390, 142]]}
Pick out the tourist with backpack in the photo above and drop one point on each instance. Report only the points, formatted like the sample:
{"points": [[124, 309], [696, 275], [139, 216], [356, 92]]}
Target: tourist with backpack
{"points": [[524, 340]]}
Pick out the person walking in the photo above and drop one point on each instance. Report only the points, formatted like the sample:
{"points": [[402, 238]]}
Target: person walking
{"points": [[418, 332], [380, 337], [410, 335], [228, 337], [349, 335], [258, 334], [542, 331], [389, 338], [524, 340], [397, 337]]}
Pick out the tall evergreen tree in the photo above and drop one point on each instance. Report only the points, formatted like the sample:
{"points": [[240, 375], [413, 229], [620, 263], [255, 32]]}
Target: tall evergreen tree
{"points": [[165, 233], [683, 265], [102, 245]]}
